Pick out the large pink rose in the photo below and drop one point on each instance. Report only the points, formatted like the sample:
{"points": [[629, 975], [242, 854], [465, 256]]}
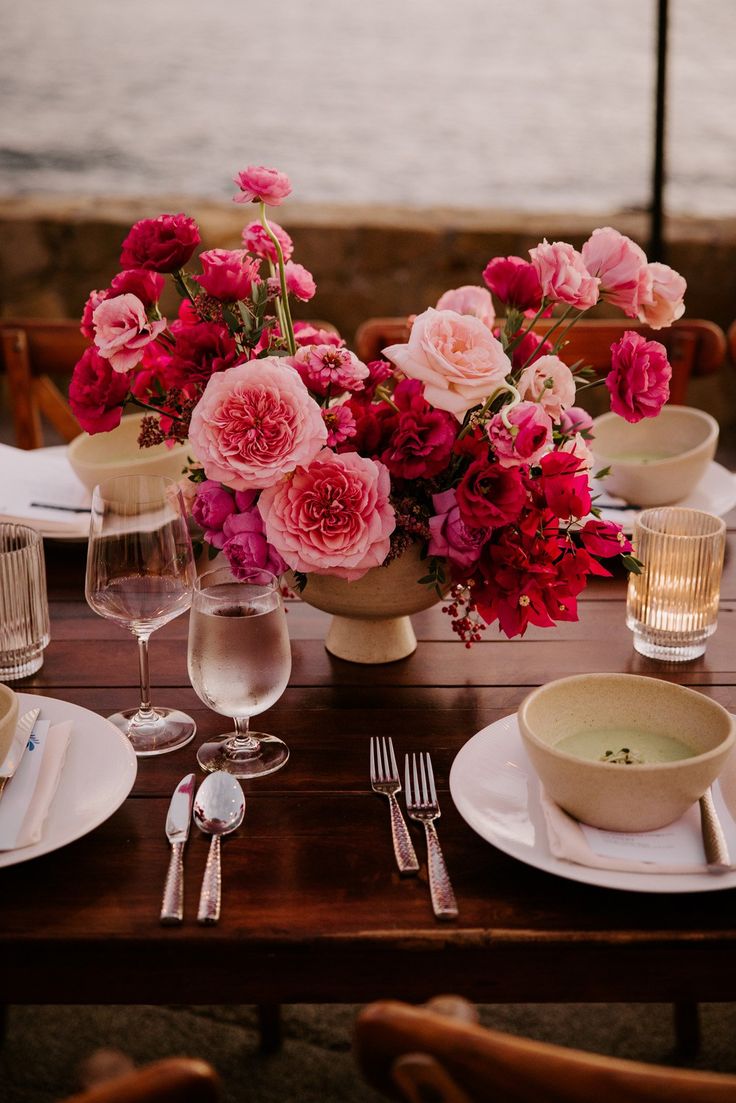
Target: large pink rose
{"points": [[563, 275], [227, 274], [664, 304], [257, 241], [163, 244], [639, 379], [469, 299], [528, 438], [122, 331], [549, 382], [97, 393], [332, 517], [259, 183], [455, 356], [621, 267], [255, 423]]}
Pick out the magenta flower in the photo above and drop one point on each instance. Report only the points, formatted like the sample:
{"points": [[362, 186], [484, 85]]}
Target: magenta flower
{"points": [[257, 241], [490, 496], [227, 274], [565, 485], [122, 331], [211, 508], [307, 334], [421, 442], [328, 370], [639, 379], [563, 275], [97, 393], [299, 282], [246, 547], [515, 282], [163, 244], [144, 283], [450, 536], [262, 184], [576, 420], [604, 538], [86, 328]]}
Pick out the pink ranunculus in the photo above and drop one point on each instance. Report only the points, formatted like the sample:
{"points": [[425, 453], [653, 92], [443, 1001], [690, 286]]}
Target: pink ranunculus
{"points": [[664, 304], [97, 393], [307, 334], [227, 274], [86, 328], [341, 425], [257, 241], [563, 275], [259, 183], [469, 299], [422, 438], [639, 379], [299, 282], [549, 382], [450, 537], [211, 508], [455, 356], [332, 517], [122, 331], [515, 282], [144, 283], [529, 437], [329, 370], [255, 423], [604, 538], [245, 545], [621, 266], [576, 420], [163, 244]]}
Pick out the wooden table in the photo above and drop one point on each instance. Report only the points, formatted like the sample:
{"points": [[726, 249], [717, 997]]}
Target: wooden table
{"points": [[314, 909]]}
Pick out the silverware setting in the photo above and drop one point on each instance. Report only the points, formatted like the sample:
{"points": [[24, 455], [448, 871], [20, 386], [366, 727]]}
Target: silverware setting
{"points": [[385, 780], [714, 841], [423, 806], [17, 748], [219, 807], [177, 832]]}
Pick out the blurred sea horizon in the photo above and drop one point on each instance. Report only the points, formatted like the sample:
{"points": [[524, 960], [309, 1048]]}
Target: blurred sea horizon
{"points": [[543, 105]]}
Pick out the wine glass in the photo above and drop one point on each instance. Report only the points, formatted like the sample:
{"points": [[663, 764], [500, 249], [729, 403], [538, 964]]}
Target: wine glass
{"points": [[140, 574], [239, 664]]}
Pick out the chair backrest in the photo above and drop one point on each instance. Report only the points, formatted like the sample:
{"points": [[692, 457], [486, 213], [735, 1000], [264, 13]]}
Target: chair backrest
{"points": [[32, 352], [174, 1080], [732, 342], [422, 1055], [694, 347]]}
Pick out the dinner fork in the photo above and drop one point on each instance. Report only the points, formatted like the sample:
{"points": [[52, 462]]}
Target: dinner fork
{"points": [[422, 805], [385, 779]]}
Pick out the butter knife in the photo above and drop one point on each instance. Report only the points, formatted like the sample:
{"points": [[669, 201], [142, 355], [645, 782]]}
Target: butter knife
{"points": [[177, 832], [714, 841], [11, 762]]}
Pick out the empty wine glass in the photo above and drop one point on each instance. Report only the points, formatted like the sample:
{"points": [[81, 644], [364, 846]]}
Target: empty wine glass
{"points": [[140, 574], [239, 664]]}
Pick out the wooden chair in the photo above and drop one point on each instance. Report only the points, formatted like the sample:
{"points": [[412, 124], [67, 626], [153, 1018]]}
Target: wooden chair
{"points": [[33, 352], [695, 347], [423, 1056], [175, 1080], [732, 342]]}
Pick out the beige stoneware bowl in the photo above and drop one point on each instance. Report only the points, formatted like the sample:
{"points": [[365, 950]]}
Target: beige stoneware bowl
{"points": [[639, 797], [658, 460], [8, 718], [108, 455]]}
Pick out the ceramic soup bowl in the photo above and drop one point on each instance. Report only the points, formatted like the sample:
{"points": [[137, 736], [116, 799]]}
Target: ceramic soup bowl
{"points": [[103, 456]]}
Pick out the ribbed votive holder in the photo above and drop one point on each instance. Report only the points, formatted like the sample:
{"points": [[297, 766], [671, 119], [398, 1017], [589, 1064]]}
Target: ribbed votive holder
{"points": [[24, 611]]}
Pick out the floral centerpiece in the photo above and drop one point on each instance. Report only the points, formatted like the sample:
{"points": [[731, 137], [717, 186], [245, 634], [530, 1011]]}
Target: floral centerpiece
{"points": [[466, 440]]}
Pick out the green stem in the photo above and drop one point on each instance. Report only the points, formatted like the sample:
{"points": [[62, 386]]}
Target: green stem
{"points": [[288, 324], [153, 409], [180, 279], [545, 336], [523, 332]]}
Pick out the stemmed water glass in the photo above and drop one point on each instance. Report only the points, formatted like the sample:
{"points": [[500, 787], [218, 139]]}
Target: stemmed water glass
{"points": [[239, 664], [140, 574]]}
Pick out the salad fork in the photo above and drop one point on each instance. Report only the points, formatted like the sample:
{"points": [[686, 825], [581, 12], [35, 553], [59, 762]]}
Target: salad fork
{"points": [[385, 779], [422, 805]]}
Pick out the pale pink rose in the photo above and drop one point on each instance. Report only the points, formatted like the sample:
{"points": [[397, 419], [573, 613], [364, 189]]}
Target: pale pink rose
{"points": [[299, 282], [529, 437], [122, 331], [664, 304], [621, 267], [255, 423], [257, 241], [549, 382], [328, 370], [469, 299], [563, 275], [332, 517], [577, 446], [259, 183], [455, 356]]}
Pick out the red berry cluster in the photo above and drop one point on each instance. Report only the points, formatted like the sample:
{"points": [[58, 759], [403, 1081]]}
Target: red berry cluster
{"points": [[466, 621]]}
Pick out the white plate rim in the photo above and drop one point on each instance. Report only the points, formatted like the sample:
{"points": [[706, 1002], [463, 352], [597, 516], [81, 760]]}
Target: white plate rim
{"points": [[122, 767], [505, 734], [718, 482]]}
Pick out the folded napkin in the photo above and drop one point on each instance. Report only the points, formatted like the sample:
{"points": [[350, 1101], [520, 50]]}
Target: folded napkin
{"points": [[27, 798], [677, 848], [34, 480]]}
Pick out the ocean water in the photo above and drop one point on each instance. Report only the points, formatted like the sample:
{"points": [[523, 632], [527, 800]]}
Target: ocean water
{"points": [[531, 104]]}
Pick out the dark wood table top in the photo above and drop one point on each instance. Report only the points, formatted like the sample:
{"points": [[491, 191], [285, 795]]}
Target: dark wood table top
{"points": [[313, 907]]}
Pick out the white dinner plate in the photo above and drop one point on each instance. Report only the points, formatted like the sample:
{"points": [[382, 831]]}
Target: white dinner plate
{"points": [[715, 493], [99, 771], [496, 791]]}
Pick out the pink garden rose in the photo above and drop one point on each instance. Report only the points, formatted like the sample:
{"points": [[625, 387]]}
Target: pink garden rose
{"points": [[563, 275], [529, 437], [329, 370], [259, 183], [299, 282], [549, 382], [469, 299], [255, 423], [245, 545], [332, 517], [664, 304], [621, 267], [455, 356], [122, 331], [163, 244], [515, 282], [450, 537], [257, 241], [97, 393], [227, 274], [639, 379]]}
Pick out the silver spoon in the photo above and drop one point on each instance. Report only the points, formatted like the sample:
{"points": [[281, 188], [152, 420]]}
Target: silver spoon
{"points": [[219, 807]]}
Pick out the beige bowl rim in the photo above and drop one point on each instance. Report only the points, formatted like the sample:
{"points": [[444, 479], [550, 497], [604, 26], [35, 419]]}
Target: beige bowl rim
{"points": [[714, 430]]}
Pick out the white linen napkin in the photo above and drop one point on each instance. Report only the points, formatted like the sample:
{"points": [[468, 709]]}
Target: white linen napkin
{"points": [[25, 803], [44, 476], [677, 848]]}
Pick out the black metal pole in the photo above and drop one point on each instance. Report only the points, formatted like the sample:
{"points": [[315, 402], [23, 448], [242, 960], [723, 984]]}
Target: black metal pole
{"points": [[656, 235]]}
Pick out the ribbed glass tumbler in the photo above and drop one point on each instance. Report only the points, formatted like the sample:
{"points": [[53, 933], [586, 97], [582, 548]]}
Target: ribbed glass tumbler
{"points": [[24, 611], [672, 606]]}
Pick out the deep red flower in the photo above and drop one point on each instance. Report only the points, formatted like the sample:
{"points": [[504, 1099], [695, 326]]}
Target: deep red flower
{"points": [[604, 538], [163, 244], [515, 282], [489, 495], [146, 285], [97, 392], [199, 352], [422, 438], [564, 486]]}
